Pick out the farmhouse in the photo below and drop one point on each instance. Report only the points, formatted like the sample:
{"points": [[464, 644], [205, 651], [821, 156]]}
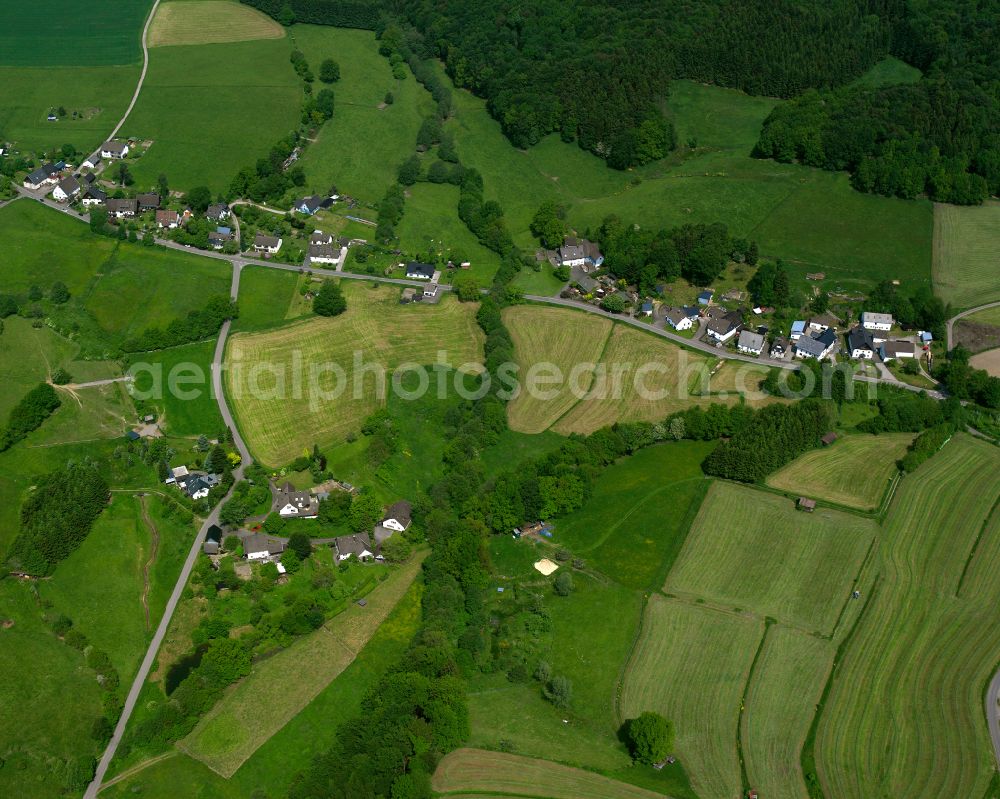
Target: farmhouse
{"points": [[860, 344], [580, 252], [678, 319], [92, 163], [218, 238], [46, 173], [217, 212], [359, 545], [823, 322], [213, 540], [817, 347], [726, 327], [309, 205], [418, 271], [897, 349], [398, 516], [323, 253], [295, 504], [262, 547], [265, 243], [66, 189], [319, 237], [114, 149], [122, 208], [876, 321], [705, 298], [779, 347], [167, 218], [149, 201], [750, 343]]}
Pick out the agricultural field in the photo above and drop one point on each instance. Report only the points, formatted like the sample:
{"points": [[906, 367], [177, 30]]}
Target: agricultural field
{"points": [[46, 64], [781, 699], [855, 471], [750, 550], [493, 775], [691, 664], [966, 240], [904, 715], [279, 422], [209, 22], [211, 109], [360, 150], [28, 355], [989, 360], [267, 297], [289, 750], [794, 212], [189, 409], [238, 725], [48, 680]]}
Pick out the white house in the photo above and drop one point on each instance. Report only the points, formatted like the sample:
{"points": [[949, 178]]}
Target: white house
{"points": [[678, 319], [123, 208], [323, 254], [859, 342], [897, 349], [45, 174], [580, 252], [419, 271], [750, 343], [359, 545], [818, 346], [91, 163], [265, 243], [319, 237], [66, 189], [877, 321], [798, 328], [93, 196], [823, 322], [725, 327], [168, 218], [296, 504], [261, 547], [175, 473], [218, 212], [397, 517], [114, 149]]}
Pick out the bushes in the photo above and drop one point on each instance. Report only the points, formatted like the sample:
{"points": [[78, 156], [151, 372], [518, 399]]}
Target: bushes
{"points": [[330, 300], [199, 325], [341, 13], [925, 445], [34, 408]]}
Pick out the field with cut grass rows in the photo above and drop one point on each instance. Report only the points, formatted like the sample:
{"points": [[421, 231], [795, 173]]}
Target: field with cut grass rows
{"points": [[209, 22], [966, 243]]}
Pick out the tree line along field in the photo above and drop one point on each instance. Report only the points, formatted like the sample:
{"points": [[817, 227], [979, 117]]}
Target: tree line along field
{"points": [[855, 471], [81, 56], [278, 428], [209, 22], [46, 680], [966, 240]]}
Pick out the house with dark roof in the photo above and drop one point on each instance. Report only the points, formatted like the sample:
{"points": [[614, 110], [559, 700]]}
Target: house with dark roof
{"points": [[94, 196], [213, 540], [46, 173], [580, 252], [359, 545], [219, 238], [678, 318], [705, 298], [92, 163], [323, 253], [122, 209], [261, 547], [860, 344], [398, 516], [725, 327], [823, 322], [897, 349], [816, 346], [114, 149], [264, 243], [295, 504], [750, 343], [218, 212], [418, 271], [779, 347], [66, 189], [148, 201], [319, 237], [309, 205], [646, 309], [168, 218]]}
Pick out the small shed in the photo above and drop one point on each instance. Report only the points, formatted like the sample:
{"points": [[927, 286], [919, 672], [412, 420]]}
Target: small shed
{"points": [[829, 438], [131, 435], [806, 504]]}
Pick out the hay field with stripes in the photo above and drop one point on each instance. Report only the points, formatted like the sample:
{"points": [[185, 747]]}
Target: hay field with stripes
{"points": [[966, 242], [497, 775], [855, 471], [209, 22], [750, 549], [691, 664], [281, 418], [904, 716]]}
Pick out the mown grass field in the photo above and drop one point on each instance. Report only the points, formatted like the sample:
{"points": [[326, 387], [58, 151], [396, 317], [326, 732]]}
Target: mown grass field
{"points": [[360, 149], [812, 219], [750, 550], [691, 665], [904, 716], [27, 355], [290, 749], [278, 425], [266, 297], [478, 772], [781, 699], [209, 22], [966, 241], [663, 483], [46, 680], [212, 109], [855, 471], [238, 724]]}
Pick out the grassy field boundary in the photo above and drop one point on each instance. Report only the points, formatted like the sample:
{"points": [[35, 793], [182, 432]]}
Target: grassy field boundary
{"points": [[975, 546], [593, 378], [768, 624], [854, 587]]}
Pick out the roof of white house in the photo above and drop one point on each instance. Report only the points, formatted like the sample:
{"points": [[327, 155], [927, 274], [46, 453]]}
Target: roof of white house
{"points": [[751, 341], [870, 317], [798, 326]]}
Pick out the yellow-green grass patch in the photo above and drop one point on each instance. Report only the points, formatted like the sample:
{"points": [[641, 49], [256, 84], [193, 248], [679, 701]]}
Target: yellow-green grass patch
{"points": [[966, 243], [28, 356], [478, 772], [209, 22], [904, 716], [240, 723], [278, 425], [781, 698], [557, 336], [753, 550], [691, 664], [266, 297], [854, 471], [90, 413]]}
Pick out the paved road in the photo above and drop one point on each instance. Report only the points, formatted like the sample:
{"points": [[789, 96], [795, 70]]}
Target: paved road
{"points": [[951, 322], [993, 714]]}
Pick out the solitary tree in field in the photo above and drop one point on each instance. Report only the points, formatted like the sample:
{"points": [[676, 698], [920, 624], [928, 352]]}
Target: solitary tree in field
{"points": [[650, 737], [563, 584], [329, 71], [330, 300], [559, 691], [59, 293]]}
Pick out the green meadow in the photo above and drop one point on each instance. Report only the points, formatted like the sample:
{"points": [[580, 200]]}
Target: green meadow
{"points": [[266, 297], [211, 110], [359, 150]]}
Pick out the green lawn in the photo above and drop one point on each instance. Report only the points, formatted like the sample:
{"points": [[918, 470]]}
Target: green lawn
{"points": [[213, 109], [359, 150], [181, 412], [265, 297], [26, 356]]}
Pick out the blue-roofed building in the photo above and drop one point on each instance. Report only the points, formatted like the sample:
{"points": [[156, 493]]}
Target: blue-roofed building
{"points": [[705, 298], [926, 337], [646, 309], [223, 229], [798, 328]]}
